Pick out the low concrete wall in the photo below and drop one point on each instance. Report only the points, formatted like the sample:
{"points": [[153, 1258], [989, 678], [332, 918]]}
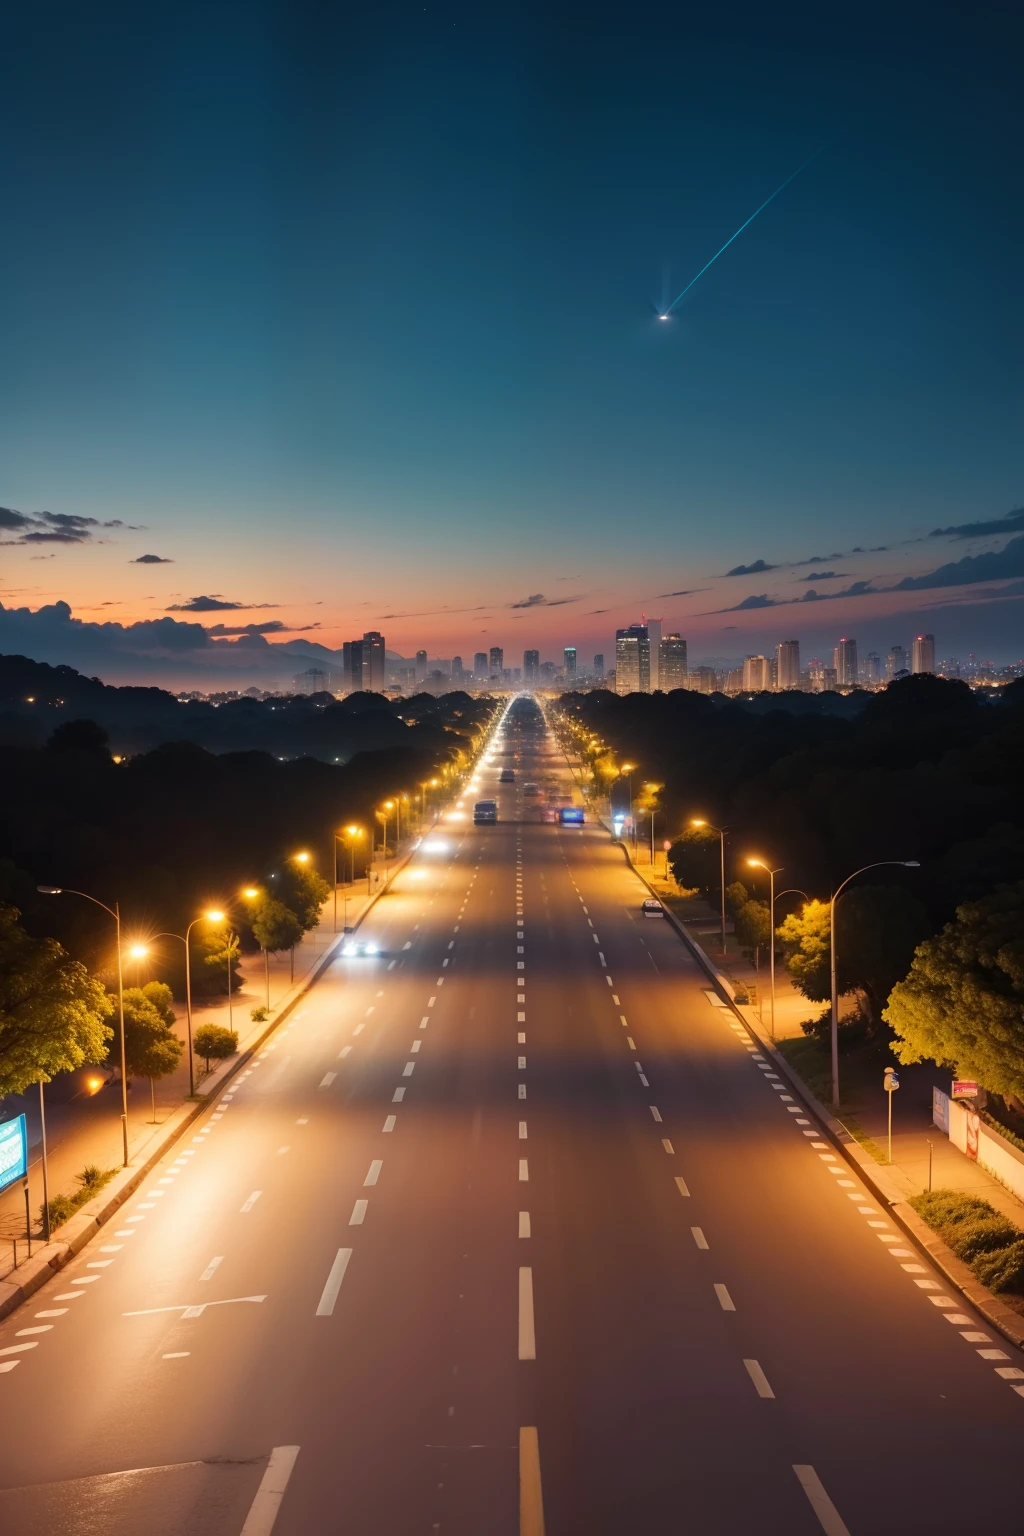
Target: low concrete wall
{"points": [[979, 1141]]}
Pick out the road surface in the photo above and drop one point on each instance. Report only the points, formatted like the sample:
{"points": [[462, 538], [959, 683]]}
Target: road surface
{"points": [[508, 1229]]}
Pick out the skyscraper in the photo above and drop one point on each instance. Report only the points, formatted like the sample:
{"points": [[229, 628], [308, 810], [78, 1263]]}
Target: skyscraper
{"points": [[374, 663], [569, 663], [873, 667], [632, 660], [479, 663], [672, 668], [755, 674], [456, 669], [895, 662], [599, 665], [531, 666], [922, 654], [845, 662], [787, 659], [497, 661], [421, 665], [352, 666], [654, 646]]}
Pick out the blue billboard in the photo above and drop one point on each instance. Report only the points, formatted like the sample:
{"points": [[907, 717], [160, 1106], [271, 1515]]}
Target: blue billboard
{"points": [[13, 1151]]}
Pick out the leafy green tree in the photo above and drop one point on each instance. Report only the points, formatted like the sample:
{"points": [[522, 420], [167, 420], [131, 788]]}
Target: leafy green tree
{"points": [[53, 1014], [215, 1043], [274, 926], [962, 1004], [754, 925], [210, 949], [695, 858], [877, 930], [736, 896], [151, 1047], [304, 891]]}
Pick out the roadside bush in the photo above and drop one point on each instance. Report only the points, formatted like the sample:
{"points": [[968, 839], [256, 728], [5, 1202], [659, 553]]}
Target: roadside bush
{"points": [[61, 1208], [970, 1239], [258, 1015], [1002, 1270], [90, 1181]]}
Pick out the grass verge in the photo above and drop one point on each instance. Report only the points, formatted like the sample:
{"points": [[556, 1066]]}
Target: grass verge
{"points": [[90, 1181]]}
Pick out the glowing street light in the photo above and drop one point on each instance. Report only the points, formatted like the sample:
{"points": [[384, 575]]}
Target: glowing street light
{"points": [[215, 915], [698, 821]]}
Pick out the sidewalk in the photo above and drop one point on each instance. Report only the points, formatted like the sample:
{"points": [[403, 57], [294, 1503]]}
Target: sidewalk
{"points": [[83, 1108]]}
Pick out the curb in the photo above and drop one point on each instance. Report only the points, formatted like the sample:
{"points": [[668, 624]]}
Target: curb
{"points": [[1003, 1318], [85, 1224]]}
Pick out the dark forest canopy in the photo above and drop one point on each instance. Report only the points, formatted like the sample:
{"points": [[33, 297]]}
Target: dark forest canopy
{"points": [[820, 785], [35, 698]]}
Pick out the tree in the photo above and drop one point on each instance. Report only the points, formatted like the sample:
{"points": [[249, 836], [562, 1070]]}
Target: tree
{"points": [[962, 1004], [736, 896], [304, 891], [210, 948], [80, 736], [695, 859], [151, 1048], [52, 1012], [215, 1043], [274, 926], [754, 925], [877, 931]]}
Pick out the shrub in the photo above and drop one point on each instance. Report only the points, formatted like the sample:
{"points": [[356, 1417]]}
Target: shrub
{"points": [[215, 1043], [258, 1015], [61, 1207], [1002, 1270], [948, 1207], [92, 1180], [970, 1239]]}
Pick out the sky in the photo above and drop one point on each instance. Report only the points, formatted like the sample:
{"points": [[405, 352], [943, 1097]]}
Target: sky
{"points": [[323, 318]]}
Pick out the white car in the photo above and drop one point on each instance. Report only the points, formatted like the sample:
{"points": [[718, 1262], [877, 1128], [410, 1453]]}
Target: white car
{"points": [[651, 907], [353, 947]]}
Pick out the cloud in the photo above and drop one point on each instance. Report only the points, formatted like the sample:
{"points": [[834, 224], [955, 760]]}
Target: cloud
{"points": [[592, 611], [819, 559], [268, 627], [997, 564], [762, 600], [757, 568], [150, 560], [52, 527], [214, 604], [823, 576], [1009, 524], [688, 593], [538, 600]]}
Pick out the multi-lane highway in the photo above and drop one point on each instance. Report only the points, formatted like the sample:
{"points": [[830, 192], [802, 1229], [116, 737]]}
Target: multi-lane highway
{"points": [[509, 1228]]}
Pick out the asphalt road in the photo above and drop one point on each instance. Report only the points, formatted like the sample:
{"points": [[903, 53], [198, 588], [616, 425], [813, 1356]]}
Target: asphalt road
{"points": [[507, 1225]]}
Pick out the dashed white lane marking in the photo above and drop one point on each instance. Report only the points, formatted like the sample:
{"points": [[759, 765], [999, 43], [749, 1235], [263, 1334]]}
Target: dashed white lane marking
{"points": [[700, 1239], [374, 1172], [389, 1124], [431, 1001], [210, 1269], [829, 1517], [521, 1036], [415, 1045], [424, 1021], [61, 1311], [609, 981], [524, 1171], [251, 1201], [358, 1213], [521, 1061], [522, 1130], [669, 1148], [344, 1052], [682, 1186], [725, 1301], [527, 1332], [177, 1354], [398, 1096], [655, 1111], [327, 1079], [629, 1042], [524, 1223], [408, 1069], [263, 1511], [522, 1090], [759, 1379]]}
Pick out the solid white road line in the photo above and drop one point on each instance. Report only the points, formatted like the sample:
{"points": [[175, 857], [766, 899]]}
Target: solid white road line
{"points": [[527, 1335], [524, 1223], [263, 1512], [374, 1173], [759, 1379], [829, 1517], [325, 1306]]}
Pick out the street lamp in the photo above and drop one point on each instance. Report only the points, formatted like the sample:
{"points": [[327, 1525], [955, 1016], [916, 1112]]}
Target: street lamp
{"points": [[115, 913], [881, 863], [183, 938], [771, 873], [627, 769], [698, 821], [251, 892]]}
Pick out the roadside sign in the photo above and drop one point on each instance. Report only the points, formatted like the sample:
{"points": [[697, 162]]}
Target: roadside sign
{"points": [[13, 1151], [891, 1081], [963, 1089]]}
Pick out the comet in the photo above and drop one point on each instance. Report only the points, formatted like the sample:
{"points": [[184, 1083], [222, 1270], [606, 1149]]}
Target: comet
{"points": [[781, 188]]}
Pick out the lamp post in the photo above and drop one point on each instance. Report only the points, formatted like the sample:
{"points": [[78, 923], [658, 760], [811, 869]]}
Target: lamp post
{"points": [[251, 892], [721, 831], [627, 769], [880, 864], [183, 938], [115, 913], [771, 873]]}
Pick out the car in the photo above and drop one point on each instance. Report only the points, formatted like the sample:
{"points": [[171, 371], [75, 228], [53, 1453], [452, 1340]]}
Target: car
{"points": [[532, 791], [352, 947], [507, 776], [652, 907], [549, 813], [485, 813]]}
